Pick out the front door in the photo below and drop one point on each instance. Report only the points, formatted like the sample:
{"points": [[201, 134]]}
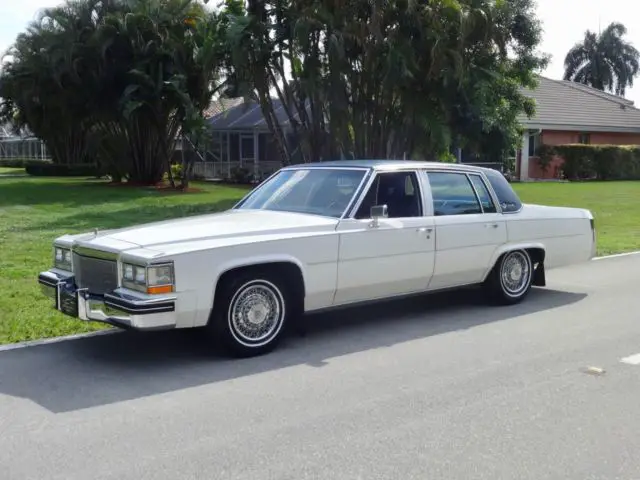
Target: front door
{"points": [[468, 228], [394, 257]]}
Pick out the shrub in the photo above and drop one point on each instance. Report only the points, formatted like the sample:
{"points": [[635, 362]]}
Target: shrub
{"points": [[241, 175], [18, 162], [176, 171], [598, 162], [545, 155], [46, 169], [447, 157]]}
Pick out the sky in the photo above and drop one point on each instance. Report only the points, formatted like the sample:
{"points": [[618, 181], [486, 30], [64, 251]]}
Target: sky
{"points": [[564, 23]]}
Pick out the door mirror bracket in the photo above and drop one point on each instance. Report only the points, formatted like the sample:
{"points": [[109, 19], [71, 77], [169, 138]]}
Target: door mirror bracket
{"points": [[378, 212]]}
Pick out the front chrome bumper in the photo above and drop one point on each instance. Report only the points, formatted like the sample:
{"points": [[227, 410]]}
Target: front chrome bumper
{"points": [[120, 308]]}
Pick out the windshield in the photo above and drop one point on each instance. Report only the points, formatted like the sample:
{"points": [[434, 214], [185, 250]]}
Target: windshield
{"points": [[317, 191]]}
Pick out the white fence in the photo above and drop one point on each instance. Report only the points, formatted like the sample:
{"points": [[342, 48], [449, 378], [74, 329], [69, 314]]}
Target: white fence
{"points": [[224, 170], [26, 148]]}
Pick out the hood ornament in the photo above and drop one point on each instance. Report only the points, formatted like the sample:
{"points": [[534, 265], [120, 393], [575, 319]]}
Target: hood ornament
{"points": [[95, 232]]}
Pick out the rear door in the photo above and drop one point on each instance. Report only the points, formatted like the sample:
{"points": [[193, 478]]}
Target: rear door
{"points": [[469, 228]]}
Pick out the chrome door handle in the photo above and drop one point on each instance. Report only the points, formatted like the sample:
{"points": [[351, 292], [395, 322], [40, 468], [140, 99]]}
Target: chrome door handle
{"points": [[491, 225], [424, 229]]}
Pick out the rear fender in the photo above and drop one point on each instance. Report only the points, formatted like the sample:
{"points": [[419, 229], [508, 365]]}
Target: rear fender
{"points": [[508, 248]]}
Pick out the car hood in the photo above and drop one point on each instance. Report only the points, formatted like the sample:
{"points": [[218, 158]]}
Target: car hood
{"points": [[229, 224]]}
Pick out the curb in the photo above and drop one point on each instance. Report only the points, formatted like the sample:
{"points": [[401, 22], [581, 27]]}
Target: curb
{"points": [[617, 255], [48, 341]]}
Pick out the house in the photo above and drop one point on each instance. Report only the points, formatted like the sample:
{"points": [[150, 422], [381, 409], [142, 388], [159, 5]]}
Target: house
{"points": [[22, 145], [568, 112], [240, 138]]}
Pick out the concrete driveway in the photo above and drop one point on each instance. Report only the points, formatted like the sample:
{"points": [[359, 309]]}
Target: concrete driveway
{"points": [[440, 387]]}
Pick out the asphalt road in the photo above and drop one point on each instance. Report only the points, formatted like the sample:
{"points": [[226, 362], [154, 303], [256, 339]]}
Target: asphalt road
{"points": [[440, 388]]}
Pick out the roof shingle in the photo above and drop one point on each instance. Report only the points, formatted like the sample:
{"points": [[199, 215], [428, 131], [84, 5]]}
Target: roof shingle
{"points": [[563, 105], [248, 116], [221, 105]]}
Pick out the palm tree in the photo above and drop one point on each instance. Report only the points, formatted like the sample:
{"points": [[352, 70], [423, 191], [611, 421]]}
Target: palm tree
{"points": [[115, 82], [605, 61]]}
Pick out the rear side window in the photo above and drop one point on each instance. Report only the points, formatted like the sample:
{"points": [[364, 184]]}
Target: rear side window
{"points": [[452, 194], [483, 194], [509, 201]]}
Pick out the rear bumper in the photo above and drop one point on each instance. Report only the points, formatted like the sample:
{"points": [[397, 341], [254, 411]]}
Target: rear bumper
{"points": [[594, 238], [120, 308]]}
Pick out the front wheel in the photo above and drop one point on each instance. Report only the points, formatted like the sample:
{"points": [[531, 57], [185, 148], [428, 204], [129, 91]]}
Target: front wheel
{"points": [[510, 280], [250, 313]]}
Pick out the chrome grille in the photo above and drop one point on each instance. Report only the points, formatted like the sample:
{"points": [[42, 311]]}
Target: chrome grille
{"points": [[95, 274]]}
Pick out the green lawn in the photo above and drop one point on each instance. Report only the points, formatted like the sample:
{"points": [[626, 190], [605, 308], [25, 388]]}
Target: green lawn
{"points": [[34, 211], [5, 170], [615, 206]]}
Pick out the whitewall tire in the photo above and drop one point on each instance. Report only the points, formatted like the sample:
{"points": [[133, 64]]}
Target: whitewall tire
{"points": [[510, 280], [251, 311]]}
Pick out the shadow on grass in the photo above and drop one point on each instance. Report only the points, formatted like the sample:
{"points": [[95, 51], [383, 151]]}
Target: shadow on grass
{"points": [[87, 220], [35, 191], [30, 191], [124, 366]]}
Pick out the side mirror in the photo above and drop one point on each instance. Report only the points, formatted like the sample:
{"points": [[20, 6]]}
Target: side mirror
{"points": [[378, 212]]}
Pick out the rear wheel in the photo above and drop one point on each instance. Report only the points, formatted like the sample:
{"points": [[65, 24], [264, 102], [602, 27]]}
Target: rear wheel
{"points": [[251, 311], [510, 280]]}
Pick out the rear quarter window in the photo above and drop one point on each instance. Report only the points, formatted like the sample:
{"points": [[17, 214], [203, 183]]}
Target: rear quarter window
{"points": [[509, 201]]}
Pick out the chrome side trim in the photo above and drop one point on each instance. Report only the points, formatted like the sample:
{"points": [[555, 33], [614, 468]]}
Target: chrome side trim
{"points": [[373, 174], [475, 191], [492, 193], [359, 194]]}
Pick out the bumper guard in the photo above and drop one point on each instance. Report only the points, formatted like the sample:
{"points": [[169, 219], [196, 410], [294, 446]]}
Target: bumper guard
{"points": [[124, 309]]}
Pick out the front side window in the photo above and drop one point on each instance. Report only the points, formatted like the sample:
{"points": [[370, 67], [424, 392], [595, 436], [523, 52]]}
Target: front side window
{"points": [[316, 191], [452, 194], [509, 201], [483, 194], [399, 191]]}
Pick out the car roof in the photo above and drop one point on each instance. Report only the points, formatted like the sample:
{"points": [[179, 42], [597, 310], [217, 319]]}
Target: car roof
{"points": [[387, 165]]}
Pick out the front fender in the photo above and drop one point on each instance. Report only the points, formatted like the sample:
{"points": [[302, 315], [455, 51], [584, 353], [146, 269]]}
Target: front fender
{"points": [[257, 260]]}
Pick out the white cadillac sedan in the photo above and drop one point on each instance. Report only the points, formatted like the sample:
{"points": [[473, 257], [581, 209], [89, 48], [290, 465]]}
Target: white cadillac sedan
{"points": [[317, 236]]}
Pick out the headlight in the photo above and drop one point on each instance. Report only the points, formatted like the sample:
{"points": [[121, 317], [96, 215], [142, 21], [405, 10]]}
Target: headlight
{"points": [[149, 279], [62, 258], [160, 275], [141, 275], [127, 273]]}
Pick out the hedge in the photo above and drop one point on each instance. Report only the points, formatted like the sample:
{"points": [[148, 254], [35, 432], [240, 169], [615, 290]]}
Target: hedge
{"points": [[598, 162], [16, 162], [45, 169]]}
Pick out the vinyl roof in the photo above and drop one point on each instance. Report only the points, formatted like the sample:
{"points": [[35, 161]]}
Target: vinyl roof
{"points": [[381, 164]]}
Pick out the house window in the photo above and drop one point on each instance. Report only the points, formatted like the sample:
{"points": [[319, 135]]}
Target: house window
{"points": [[246, 147], [584, 138], [534, 143]]}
